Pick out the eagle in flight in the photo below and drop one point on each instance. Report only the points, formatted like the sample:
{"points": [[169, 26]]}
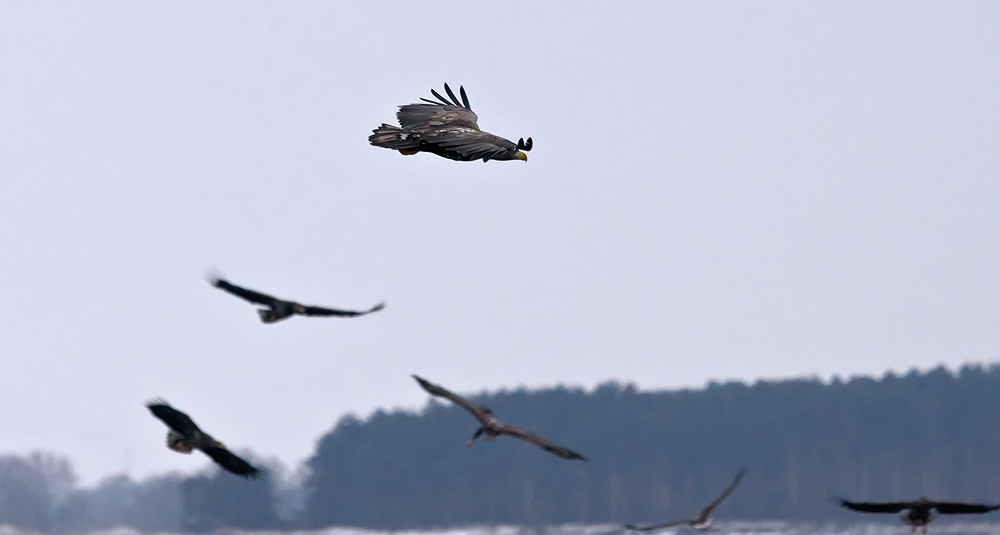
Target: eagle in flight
{"points": [[701, 521], [278, 309], [446, 127], [920, 512], [493, 428], [184, 436]]}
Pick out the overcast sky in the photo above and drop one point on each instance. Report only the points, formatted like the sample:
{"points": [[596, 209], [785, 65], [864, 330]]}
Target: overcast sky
{"points": [[716, 191]]}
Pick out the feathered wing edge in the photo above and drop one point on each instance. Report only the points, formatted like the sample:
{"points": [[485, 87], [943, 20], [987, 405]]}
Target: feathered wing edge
{"points": [[480, 413], [322, 311], [876, 507], [244, 293], [725, 494], [175, 419], [232, 463], [545, 444]]}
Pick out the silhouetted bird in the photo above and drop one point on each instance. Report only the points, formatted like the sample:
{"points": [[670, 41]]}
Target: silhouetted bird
{"points": [[919, 513], [278, 309], [447, 128], [184, 436], [701, 520], [493, 428]]}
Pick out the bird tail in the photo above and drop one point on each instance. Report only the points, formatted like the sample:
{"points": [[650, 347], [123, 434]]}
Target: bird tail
{"points": [[394, 137]]}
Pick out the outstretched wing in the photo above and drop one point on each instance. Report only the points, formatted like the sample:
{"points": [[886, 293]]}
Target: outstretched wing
{"points": [[231, 462], [472, 144], [876, 507], [175, 419], [249, 295], [657, 526], [546, 445], [440, 114], [960, 508], [725, 494], [320, 311], [481, 414]]}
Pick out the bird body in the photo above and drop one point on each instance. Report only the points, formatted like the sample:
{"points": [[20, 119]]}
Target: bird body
{"points": [[448, 128], [279, 309], [702, 521], [491, 428], [185, 436], [919, 512]]}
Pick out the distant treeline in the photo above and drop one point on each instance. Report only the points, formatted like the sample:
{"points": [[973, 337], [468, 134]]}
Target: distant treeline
{"points": [[654, 456]]}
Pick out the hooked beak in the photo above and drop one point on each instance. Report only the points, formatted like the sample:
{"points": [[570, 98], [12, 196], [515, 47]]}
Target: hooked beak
{"points": [[520, 155]]}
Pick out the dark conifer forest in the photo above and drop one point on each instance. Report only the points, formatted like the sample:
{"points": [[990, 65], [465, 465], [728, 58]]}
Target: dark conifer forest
{"points": [[654, 456]]}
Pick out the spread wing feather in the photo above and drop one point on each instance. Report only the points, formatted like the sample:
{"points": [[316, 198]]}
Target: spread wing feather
{"points": [[876, 507], [175, 419], [725, 494], [249, 295], [321, 311], [231, 462], [546, 445], [658, 526], [959, 508], [480, 413]]}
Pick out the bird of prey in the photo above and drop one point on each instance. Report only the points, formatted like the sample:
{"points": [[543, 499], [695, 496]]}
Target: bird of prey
{"points": [[493, 428], [184, 436], [920, 512], [278, 309], [700, 521], [447, 128]]}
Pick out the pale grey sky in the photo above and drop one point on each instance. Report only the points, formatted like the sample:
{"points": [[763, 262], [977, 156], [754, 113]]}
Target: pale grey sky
{"points": [[717, 190]]}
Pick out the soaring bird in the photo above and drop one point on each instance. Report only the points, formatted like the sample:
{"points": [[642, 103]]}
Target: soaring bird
{"points": [[919, 513], [701, 520], [493, 428], [447, 128], [184, 436], [278, 309]]}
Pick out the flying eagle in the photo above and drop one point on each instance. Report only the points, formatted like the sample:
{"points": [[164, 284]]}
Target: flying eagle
{"points": [[278, 309], [447, 128], [184, 436], [700, 521], [919, 513], [493, 428]]}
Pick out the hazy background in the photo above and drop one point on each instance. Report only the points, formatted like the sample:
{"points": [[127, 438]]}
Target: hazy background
{"points": [[717, 190]]}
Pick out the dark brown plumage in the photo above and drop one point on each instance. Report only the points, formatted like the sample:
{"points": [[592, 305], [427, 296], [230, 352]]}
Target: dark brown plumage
{"points": [[492, 428], [921, 511], [701, 520], [448, 128], [278, 309], [184, 436]]}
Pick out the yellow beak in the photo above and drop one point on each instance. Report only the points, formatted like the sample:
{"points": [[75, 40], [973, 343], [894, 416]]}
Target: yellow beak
{"points": [[520, 155]]}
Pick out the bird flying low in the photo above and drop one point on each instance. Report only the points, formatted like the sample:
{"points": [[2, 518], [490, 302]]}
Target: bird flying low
{"points": [[919, 512], [448, 128], [700, 521], [492, 428], [184, 436], [278, 309]]}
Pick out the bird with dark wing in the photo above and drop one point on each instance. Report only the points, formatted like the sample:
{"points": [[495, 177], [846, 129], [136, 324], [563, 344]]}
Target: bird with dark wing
{"points": [[446, 127], [184, 436], [492, 428], [919, 512], [278, 309], [700, 521]]}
